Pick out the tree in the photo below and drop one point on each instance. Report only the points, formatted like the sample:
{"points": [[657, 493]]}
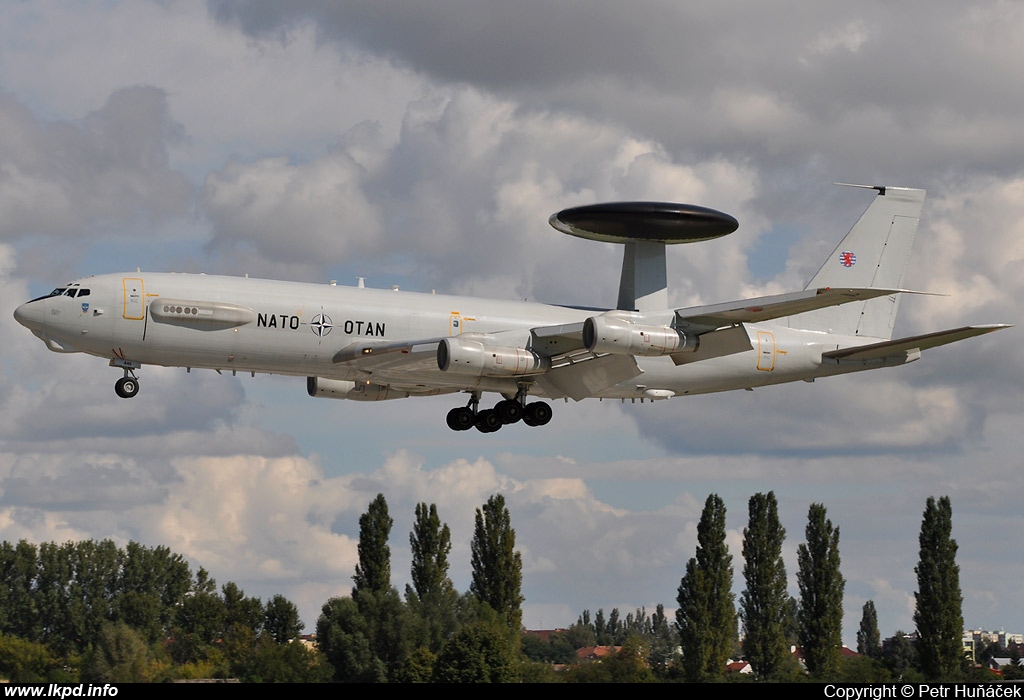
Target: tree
{"points": [[341, 636], [706, 616], [373, 572], [431, 542], [431, 597], [497, 566], [477, 653], [281, 619], [900, 657], [763, 602], [938, 615], [869, 639], [821, 595]]}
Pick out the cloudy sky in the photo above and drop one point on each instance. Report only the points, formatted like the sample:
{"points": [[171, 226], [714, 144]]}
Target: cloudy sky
{"points": [[425, 145]]}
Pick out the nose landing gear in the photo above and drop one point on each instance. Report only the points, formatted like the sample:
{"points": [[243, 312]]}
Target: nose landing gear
{"points": [[127, 386]]}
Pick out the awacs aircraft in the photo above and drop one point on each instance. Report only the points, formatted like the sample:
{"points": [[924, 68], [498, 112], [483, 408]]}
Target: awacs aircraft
{"points": [[374, 345]]}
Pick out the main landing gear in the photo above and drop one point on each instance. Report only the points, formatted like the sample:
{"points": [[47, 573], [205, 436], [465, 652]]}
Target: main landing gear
{"points": [[504, 412], [127, 386]]}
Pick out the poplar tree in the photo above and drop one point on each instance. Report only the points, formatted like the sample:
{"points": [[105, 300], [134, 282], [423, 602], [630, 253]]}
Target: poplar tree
{"points": [[431, 542], [763, 604], [869, 639], [821, 595], [379, 604], [706, 616], [373, 572], [431, 597], [938, 616], [497, 566]]}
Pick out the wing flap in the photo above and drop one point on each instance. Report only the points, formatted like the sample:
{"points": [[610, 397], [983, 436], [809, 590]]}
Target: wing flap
{"points": [[588, 376], [550, 341], [899, 346], [725, 341]]}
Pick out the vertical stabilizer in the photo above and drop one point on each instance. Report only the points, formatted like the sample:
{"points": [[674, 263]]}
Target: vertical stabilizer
{"points": [[875, 253]]}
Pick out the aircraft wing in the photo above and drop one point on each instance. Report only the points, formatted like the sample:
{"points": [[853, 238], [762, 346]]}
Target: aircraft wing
{"points": [[700, 318], [889, 348], [405, 357]]}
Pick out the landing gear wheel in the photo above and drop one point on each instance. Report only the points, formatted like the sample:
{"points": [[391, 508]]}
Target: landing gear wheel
{"points": [[509, 411], [126, 387], [487, 421], [537, 413], [461, 418]]}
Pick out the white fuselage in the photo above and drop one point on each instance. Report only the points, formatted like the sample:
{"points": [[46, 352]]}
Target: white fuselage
{"points": [[264, 326]]}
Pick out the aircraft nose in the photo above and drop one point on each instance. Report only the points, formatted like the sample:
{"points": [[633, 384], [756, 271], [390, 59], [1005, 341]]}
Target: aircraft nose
{"points": [[30, 315]]}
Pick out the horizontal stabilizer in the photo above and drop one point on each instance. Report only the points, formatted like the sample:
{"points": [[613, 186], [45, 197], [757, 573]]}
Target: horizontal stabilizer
{"points": [[776, 306], [877, 351]]}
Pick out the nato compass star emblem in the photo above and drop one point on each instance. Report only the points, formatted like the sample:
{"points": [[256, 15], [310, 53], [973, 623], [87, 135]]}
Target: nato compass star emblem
{"points": [[321, 325]]}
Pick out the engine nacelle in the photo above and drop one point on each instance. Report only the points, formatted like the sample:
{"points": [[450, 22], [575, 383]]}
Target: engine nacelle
{"points": [[618, 336], [318, 387], [477, 359]]}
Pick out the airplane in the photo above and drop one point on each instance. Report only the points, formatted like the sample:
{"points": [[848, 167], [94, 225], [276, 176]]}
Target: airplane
{"points": [[368, 344]]}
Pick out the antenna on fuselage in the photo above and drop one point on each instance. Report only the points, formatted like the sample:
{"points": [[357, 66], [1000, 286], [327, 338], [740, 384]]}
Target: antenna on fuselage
{"points": [[644, 229]]}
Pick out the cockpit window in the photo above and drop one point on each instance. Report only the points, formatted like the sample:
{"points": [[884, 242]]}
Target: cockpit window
{"points": [[58, 291], [70, 292], [83, 292]]}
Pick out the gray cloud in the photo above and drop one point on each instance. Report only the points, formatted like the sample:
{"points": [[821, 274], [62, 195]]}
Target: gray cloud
{"points": [[108, 170]]}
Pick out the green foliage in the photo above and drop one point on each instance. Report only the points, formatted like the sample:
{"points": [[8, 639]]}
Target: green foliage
{"points": [[706, 617], [271, 662], [938, 614], [480, 652], [900, 657], [386, 627], [869, 639], [763, 604], [342, 637], [121, 655], [432, 597], [240, 609], [22, 661], [497, 566], [281, 619], [418, 666], [373, 572], [821, 596], [629, 663], [862, 669]]}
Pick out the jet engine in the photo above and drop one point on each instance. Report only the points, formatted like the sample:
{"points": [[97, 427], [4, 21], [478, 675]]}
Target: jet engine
{"points": [[475, 358], [619, 336], [318, 387]]}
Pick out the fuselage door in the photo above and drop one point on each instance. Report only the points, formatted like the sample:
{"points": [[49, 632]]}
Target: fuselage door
{"points": [[134, 299], [765, 351], [454, 324]]}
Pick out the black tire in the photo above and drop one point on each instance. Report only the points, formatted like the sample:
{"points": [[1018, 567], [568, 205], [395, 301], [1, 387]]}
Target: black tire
{"points": [[126, 387], [461, 418], [509, 411], [537, 413], [487, 421]]}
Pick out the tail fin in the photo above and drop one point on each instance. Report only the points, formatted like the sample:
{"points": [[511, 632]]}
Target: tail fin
{"points": [[875, 253]]}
